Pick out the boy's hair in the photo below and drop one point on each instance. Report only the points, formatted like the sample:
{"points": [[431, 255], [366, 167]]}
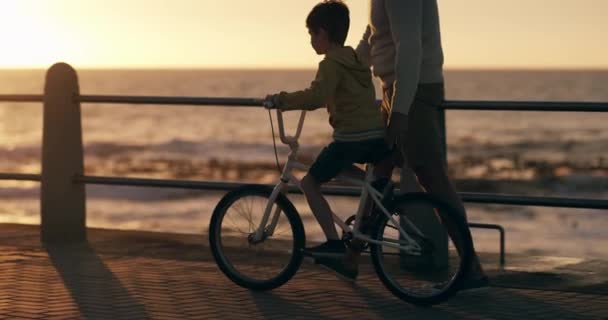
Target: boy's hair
{"points": [[331, 16]]}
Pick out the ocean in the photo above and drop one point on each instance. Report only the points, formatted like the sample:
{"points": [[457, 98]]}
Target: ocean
{"points": [[531, 153]]}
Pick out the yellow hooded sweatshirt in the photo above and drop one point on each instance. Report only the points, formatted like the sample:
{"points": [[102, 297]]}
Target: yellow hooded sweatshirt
{"points": [[344, 86]]}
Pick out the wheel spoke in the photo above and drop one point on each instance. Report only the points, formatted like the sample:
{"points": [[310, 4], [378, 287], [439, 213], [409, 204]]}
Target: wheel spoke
{"points": [[267, 263], [248, 213], [236, 226], [245, 216]]}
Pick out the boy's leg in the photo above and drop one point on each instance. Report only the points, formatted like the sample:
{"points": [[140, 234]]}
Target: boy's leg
{"points": [[337, 158], [344, 267], [334, 160], [319, 206], [328, 164]]}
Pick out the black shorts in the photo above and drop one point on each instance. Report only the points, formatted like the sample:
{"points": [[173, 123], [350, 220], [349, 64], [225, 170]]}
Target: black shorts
{"points": [[340, 155]]}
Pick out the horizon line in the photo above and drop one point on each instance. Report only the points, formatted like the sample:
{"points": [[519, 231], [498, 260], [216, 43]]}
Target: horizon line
{"points": [[267, 68]]}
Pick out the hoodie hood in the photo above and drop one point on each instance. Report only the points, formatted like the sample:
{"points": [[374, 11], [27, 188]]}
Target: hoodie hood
{"points": [[347, 57]]}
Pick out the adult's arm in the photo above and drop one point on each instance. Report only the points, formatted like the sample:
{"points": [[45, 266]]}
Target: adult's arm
{"points": [[363, 48], [405, 20]]}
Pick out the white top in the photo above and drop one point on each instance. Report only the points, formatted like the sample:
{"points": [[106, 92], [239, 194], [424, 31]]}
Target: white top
{"points": [[402, 44]]}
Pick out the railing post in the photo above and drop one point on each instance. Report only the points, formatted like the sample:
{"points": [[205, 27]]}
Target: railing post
{"points": [[62, 202]]}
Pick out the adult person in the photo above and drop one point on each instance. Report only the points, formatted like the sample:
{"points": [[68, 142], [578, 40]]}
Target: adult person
{"points": [[402, 45]]}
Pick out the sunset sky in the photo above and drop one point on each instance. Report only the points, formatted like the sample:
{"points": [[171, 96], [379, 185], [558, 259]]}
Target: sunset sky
{"points": [[271, 33]]}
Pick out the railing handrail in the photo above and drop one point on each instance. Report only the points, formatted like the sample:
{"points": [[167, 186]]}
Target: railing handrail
{"points": [[169, 100], [554, 106], [498, 105], [21, 97], [512, 199], [474, 197]]}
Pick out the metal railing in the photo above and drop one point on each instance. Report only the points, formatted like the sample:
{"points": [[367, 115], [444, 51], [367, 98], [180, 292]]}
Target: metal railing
{"points": [[61, 94], [554, 106]]}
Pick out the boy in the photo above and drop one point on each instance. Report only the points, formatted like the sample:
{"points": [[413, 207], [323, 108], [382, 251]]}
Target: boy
{"points": [[343, 85]]}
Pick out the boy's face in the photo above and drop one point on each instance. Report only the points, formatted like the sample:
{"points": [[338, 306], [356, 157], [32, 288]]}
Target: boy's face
{"points": [[319, 41]]}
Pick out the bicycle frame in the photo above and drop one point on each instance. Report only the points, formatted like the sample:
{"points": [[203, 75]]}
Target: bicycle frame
{"points": [[405, 243]]}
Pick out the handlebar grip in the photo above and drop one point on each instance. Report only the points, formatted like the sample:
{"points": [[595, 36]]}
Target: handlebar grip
{"points": [[268, 104]]}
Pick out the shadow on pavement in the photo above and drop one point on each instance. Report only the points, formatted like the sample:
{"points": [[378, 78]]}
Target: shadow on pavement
{"points": [[93, 287]]}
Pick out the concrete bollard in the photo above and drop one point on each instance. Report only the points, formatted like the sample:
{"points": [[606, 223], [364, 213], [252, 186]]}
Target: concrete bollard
{"points": [[62, 202]]}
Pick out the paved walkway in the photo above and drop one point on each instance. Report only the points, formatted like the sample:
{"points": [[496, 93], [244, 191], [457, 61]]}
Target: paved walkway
{"points": [[140, 275]]}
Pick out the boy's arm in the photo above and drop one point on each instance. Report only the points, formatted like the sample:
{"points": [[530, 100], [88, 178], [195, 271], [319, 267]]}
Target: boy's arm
{"points": [[363, 48], [321, 89], [405, 19]]}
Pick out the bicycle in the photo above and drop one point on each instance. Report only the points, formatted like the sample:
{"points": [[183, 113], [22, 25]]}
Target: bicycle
{"points": [[274, 237]]}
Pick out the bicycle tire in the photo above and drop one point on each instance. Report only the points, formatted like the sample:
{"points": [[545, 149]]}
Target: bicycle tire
{"points": [[460, 230], [227, 265]]}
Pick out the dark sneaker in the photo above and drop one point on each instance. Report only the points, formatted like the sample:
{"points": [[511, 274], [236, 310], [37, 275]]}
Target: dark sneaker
{"points": [[340, 268], [331, 249]]}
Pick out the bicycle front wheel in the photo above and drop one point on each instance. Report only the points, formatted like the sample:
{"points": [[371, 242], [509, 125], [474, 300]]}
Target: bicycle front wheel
{"points": [[261, 264], [426, 265]]}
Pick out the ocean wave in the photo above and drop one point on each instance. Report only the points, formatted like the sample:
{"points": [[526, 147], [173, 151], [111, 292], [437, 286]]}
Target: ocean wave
{"points": [[255, 162]]}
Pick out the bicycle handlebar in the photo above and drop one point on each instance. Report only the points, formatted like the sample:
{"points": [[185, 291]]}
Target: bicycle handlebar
{"points": [[284, 138], [290, 139]]}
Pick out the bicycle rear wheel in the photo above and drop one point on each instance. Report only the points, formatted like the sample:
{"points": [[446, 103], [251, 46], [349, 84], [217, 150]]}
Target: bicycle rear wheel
{"points": [[256, 265], [433, 271]]}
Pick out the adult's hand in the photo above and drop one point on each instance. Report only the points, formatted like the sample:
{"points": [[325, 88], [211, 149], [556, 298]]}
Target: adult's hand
{"points": [[397, 129]]}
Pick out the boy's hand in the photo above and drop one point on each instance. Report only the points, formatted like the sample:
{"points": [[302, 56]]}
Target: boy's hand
{"points": [[397, 130], [271, 101]]}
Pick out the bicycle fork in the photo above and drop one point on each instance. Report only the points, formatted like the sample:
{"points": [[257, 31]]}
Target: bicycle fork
{"points": [[262, 231]]}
